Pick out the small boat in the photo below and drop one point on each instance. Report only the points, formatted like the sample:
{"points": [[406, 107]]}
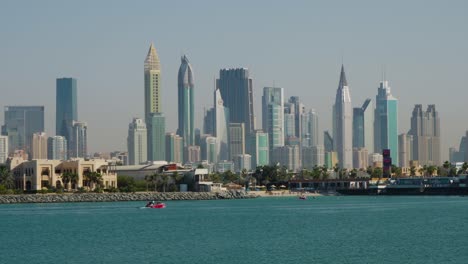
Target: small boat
{"points": [[302, 197], [157, 205]]}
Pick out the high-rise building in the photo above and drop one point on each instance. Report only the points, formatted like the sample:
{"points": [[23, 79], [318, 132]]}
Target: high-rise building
{"points": [[3, 149], [360, 158], [236, 90], [236, 140], [221, 126], [299, 109], [261, 150], [57, 148], [363, 126], [243, 161], [405, 146], [209, 122], [137, 144], [287, 156], [343, 120], [313, 156], [386, 122], [425, 129], [78, 147], [186, 102], [193, 154], [152, 82], [174, 148], [459, 155], [66, 106], [309, 129], [209, 148], [327, 141], [156, 129], [272, 116], [20, 124], [289, 120], [39, 146]]}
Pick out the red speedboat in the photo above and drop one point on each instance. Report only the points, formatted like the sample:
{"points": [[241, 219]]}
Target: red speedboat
{"points": [[156, 205]]}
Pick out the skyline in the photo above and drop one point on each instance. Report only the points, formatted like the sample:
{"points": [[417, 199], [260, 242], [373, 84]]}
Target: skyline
{"points": [[422, 51]]}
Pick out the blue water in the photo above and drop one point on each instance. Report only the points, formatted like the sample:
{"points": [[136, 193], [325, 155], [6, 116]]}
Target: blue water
{"points": [[340, 229]]}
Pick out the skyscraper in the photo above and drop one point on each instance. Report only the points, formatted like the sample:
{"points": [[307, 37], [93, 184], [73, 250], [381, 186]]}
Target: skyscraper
{"points": [[156, 129], [425, 129], [78, 147], [152, 82], [137, 142], [343, 119], [309, 129], [287, 156], [405, 147], [289, 120], [236, 140], [299, 109], [39, 146], [328, 141], [236, 90], [20, 124], [386, 122], [174, 148], [186, 102], [208, 122], [66, 106], [261, 151], [209, 148], [57, 148], [221, 126], [3, 149], [363, 126], [272, 116]]}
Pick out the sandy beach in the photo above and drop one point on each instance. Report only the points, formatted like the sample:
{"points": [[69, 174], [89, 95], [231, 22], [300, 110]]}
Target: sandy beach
{"points": [[284, 193]]}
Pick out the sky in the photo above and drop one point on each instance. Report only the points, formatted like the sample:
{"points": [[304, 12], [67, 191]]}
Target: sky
{"points": [[297, 45]]}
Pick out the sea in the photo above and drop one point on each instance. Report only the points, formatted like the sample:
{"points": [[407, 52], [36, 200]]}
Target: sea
{"points": [[327, 229]]}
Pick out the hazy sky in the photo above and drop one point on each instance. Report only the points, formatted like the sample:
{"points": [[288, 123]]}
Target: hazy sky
{"points": [[297, 45]]}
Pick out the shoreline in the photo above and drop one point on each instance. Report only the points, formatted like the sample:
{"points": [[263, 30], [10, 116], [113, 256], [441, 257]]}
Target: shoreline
{"points": [[286, 193], [122, 197]]}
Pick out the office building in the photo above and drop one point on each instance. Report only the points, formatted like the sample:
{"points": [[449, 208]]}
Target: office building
{"points": [[236, 140], [137, 144], [287, 156], [272, 116], [313, 156], [3, 149], [425, 129], [289, 120], [152, 74], [360, 158], [299, 109], [66, 106], [57, 148], [156, 129], [186, 102], [363, 126], [405, 146], [78, 147], [242, 162], [221, 126], [343, 123], [20, 124], [236, 90], [386, 122], [209, 148], [261, 150], [192, 154], [174, 148], [209, 122]]}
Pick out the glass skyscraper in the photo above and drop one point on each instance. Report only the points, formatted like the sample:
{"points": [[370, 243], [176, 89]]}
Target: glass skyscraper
{"points": [[186, 102], [386, 122], [273, 116], [237, 92], [66, 106], [21, 122], [363, 126], [261, 150], [152, 82], [156, 127]]}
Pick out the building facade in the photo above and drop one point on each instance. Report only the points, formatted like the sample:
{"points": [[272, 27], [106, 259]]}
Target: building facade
{"points": [[57, 148], [156, 129], [186, 94], [386, 122], [236, 90], [272, 116], [66, 106], [363, 126], [152, 74], [20, 124], [3, 149], [425, 129], [137, 144], [221, 126], [39, 146], [174, 148], [236, 140], [78, 147], [261, 150], [343, 120]]}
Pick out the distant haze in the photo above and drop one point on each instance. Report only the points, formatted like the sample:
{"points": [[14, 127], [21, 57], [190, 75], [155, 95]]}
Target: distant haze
{"points": [[296, 45]]}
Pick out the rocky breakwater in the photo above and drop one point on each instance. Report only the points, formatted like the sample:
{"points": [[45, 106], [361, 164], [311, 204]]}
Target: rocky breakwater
{"points": [[115, 197]]}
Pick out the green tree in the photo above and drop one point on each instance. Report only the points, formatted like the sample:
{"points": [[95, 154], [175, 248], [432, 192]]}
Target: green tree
{"points": [[353, 173], [125, 183], [412, 171], [6, 178], [431, 169]]}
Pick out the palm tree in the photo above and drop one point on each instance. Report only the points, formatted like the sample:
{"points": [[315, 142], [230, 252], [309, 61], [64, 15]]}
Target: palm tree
{"points": [[6, 178], [164, 180], [148, 180], [413, 171], [74, 178], [66, 177], [431, 169], [94, 178]]}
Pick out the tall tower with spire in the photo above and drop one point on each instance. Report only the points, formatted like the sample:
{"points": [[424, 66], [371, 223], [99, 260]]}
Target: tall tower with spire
{"points": [[155, 119], [186, 102], [152, 82], [343, 123]]}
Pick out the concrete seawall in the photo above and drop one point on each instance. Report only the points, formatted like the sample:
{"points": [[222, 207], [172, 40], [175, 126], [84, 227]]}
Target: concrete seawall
{"points": [[115, 197]]}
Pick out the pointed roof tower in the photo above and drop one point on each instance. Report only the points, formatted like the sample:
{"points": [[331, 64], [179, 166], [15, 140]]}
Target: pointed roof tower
{"points": [[152, 59], [343, 81]]}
